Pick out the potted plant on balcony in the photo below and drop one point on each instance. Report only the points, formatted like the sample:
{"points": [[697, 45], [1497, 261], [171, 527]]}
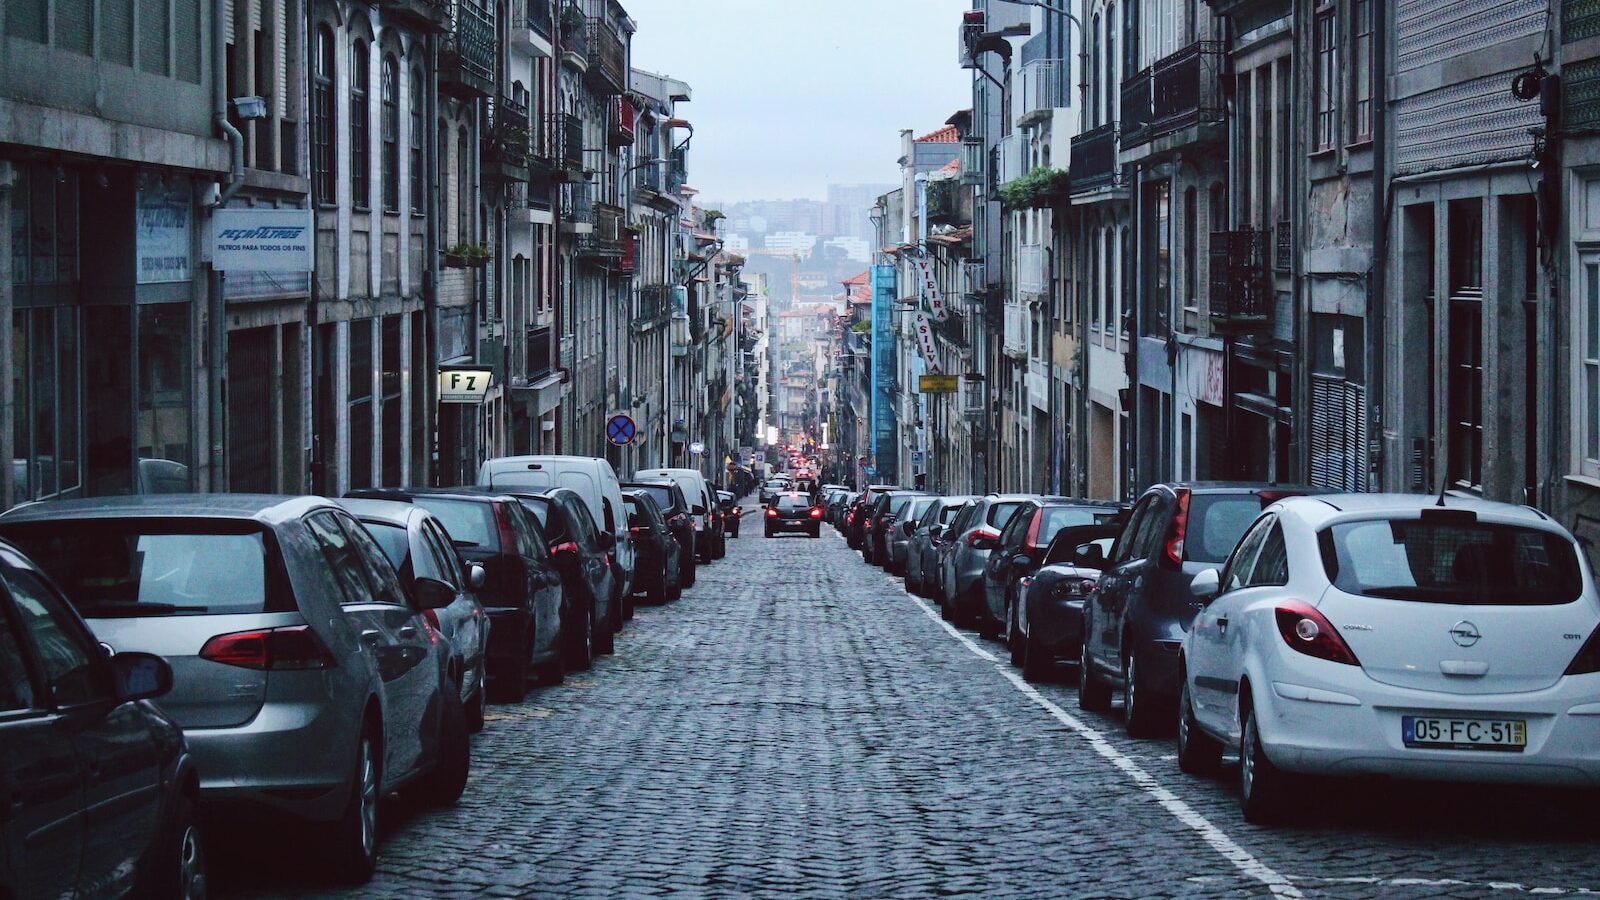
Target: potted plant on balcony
{"points": [[1038, 188], [455, 257], [477, 256], [572, 20]]}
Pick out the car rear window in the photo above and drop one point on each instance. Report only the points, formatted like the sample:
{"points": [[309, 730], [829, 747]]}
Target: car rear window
{"points": [[788, 503], [1000, 514], [947, 514], [468, 522], [662, 496], [1216, 523], [393, 540], [151, 567], [1059, 517], [1463, 562]]}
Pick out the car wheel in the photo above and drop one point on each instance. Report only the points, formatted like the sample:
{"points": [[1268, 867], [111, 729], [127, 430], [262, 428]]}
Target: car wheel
{"points": [[1037, 665], [605, 634], [1264, 789], [686, 570], [176, 865], [1198, 753], [815, 532], [626, 608], [734, 532], [1093, 694], [511, 682], [945, 611], [674, 590], [580, 641], [1013, 635], [769, 532], [475, 712], [352, 844], [1142, 714], [443, 784], [658, 593]]}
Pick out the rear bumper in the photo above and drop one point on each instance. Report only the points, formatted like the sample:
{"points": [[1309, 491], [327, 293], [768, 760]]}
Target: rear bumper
{"points": [[508, 628], [1057, 625], [806, 525], [296, 758]]}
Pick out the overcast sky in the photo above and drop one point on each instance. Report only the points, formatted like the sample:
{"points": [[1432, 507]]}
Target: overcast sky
{"points": [[790, 97]]}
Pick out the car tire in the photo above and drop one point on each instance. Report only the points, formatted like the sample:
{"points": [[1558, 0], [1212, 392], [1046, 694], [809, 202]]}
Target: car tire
{"points": [[1264, 789], [447, 778], [1013, 635], [675, 590], [511, 683], [1094, 695], [480, 700], [816, 533], [769, 532], [176, 864], [605, 635], [735, 532], [1143, 713], [945, 612], [579, 644], [658, 594], [352, 842], [1198, 753], [1037, 665], [686, 570]]}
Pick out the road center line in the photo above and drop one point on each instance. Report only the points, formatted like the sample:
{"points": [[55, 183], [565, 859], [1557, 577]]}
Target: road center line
{"points": [[1242, 859]]}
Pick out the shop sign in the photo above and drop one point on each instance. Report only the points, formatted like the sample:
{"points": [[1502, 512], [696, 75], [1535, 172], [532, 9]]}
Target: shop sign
{"points": [[930, 350], [930, 289], [163, 222], [937, 384], [261, 240], [464, 384]]}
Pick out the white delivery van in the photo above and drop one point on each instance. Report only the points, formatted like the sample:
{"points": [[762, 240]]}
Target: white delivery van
{"points": [[592, 478]]}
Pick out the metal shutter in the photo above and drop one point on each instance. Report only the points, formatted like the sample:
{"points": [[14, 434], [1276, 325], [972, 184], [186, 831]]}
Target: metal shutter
{"points": [[116, 31], [75, 26], [1338, 434], [154, 29]]}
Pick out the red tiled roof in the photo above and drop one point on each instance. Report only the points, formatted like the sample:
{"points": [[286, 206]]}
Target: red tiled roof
{"points": [[953, 165], [858, 279], [946, 135]]}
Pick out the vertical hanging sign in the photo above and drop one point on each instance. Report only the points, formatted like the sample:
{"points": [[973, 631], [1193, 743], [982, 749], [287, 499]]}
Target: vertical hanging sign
{"points": [[884, 451], [929, 285], [930, 351]]}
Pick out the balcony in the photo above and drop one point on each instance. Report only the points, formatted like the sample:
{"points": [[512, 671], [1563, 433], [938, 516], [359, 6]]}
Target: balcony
{"points": [[540, 352], [1015, 337], [466, 56], [973, 162], [574, 37], [505, 143], [630, 253], [1031, 275], [604, 240], [1241, 292], [1043, 90], [944, 203], [1094, 159], [558, 144], [1178, 92], [1009, 159], [422, 15], [972, 281], [677, 170], [653, 304], [619, 123], [532, 26], [608, 58]]}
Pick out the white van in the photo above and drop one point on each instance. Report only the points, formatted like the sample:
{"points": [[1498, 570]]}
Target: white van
{"points": [[698, 493], [592, 478]]}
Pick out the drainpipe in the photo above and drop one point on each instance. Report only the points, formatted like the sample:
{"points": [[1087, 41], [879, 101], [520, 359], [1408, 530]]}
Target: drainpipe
{"points": [[1377, 300], [216, 314]]}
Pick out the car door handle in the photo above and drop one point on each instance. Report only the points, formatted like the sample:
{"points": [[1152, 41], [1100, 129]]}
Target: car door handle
{"points": [[1222, 625], [371, 635], [407, 631]]}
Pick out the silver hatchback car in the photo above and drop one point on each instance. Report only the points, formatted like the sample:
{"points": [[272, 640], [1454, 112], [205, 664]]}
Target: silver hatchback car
{"points": [[305, 677]]}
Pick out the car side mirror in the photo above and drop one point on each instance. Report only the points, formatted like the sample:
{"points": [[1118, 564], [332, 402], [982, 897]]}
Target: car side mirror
{"points": [[699, 510], [476, 577], [1206, 585], [934, 531], [608, 542], [431, 593], [1022, 561], [908, 528], [140, 676], [1091, 556]]}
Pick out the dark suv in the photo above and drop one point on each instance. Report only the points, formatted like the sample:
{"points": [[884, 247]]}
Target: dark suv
{"points": [[1136, 617], [881, 517], [669, 496], [1021, 550]]}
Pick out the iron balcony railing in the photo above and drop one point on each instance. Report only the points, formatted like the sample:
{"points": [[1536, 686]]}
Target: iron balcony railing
{"points": [[619, 125], [605, 239], [1175, 92], [1043, 89], [541, 351], [1094, 158], [535, 15], [652, 302], [1241, 291], [944, 202], [466, 56], [973, 162], [608, 57], [559, 142], [423, 15]]}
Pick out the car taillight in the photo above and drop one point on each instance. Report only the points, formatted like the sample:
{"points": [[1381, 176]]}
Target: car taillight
{"points": [[982, 534], [816, 512], [1588, 659], [1309, 632], [1074, 587], [1180, 525], [432, 615], [737, 512], [772, 513], [293, 647], [564, 547], [502, 525], [1032, 540], [636, 531]]}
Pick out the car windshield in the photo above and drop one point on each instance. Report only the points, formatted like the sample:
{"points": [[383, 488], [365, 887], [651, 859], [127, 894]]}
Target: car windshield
{"points": [[469, 523], [1462, 562], [1216, 523], [143, 567]]}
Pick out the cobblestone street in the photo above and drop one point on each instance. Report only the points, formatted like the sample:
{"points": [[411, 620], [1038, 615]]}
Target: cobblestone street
{"points": [[797, 724]]}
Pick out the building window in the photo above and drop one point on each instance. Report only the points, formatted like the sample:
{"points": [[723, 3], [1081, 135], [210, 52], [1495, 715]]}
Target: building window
{"points": [[1094, 282], [1094, 66], [1361, 76], [1464, 401], [361, 403], [1191, 249], [360, 157], [463, 189], [1161, 303], [1589, 341], [1245, 173], [1326, 78], [322, 117], [391, 134], [1111, 62], [418, 176]]}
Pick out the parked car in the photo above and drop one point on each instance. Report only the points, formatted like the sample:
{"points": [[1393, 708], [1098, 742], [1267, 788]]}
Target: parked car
{"points": [[922, 555], [793, 511], [731, 512], [1020, 550], [964, 552], [708, 543], [305, 678], [861, 510], [101, 788], [581, 554], [897, 534], [770, 489], [521, 593], [675, 507], [1393, 635], [594, 481], [1046, 625], [1141, 607], [418, 546], [657, 573]]}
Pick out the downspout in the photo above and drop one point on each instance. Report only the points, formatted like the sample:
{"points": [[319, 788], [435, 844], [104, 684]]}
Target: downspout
{"points": [[430, 274], [1382, 204], [219, 111], [216, 308]]}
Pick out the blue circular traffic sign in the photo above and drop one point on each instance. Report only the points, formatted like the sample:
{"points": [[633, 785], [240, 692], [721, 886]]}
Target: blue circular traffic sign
{"points": [[620, 430]]}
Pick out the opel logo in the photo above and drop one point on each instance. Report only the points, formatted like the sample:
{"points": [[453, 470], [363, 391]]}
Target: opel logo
{"points": [[1464, 633]]}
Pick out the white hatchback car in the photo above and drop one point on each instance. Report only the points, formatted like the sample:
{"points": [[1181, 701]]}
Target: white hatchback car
{"points": [[1394, 635]]}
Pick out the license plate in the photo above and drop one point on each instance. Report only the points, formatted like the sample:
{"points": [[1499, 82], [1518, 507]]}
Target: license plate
{"points": [[1502, 735]]}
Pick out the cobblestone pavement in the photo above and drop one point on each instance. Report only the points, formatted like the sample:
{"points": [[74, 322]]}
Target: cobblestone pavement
{"points": [[797, 724]]}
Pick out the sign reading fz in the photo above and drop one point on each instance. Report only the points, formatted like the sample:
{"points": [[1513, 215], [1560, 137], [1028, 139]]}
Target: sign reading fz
{"points": [[464, 384]]}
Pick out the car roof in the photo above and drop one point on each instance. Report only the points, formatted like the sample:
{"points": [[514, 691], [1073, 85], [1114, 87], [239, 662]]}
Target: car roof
{"points": [[409, 494], [1230, 487], [265, 508], [395, 512], [1321, 508]]}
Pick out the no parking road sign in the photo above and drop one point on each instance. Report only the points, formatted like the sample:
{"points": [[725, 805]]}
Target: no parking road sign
{"points": [[620, 430]]}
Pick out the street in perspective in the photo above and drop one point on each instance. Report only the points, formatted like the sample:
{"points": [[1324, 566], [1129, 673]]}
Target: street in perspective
{"points": [[718, 448]]}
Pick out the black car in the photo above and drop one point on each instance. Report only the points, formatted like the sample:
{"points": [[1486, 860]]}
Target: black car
{"points": [[655, 570], [521, 592], [675, 508], [581, 552], [1141, 608], [1021, 550], [794, 512], [1046, 624], [100, 787], [856, 517], [880, 517], [731, 512]]}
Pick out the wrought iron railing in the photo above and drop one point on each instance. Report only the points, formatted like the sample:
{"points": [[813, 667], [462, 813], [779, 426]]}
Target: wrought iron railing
{"points": [[1241, 293], [608, 55], [1043, 88], [540, 351], [466, 55], [534, 14], [1175, 92], [1094, 158]]}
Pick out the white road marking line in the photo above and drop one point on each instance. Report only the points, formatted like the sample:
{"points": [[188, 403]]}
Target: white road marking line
{"points": [[1279, 884]]}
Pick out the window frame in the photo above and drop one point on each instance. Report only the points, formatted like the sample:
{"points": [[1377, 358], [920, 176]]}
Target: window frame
{"points": [[1324, 78], [1586, 361], [1361, 66], [419, 175], [324, 155], [389, 128], [360, 125]]}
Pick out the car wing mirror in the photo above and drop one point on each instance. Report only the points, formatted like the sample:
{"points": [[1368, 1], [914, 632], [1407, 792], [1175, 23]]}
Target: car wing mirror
{"points": [[140, 676], [934, 531], [1022, 561], [608, 541], [476, 577], [909, 528], [1206, 585], [1090, 556], [431, 593]]}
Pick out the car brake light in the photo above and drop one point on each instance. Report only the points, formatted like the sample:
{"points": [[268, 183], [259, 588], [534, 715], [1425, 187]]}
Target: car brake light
{"points": [[432, 616], [977, 538], [1588, 659], [294, 647], [564, 547], [737, 512], [772, 513], [1180, 525], [1032, 540], [636, 531], [502, 524], [1308, 631], [816, 512]]}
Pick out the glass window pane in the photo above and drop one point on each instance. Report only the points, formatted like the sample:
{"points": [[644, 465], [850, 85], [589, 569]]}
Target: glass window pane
{"points": [[19, 228], [1592, 409], [70, 660], [21, 416], [42, 376], [67, 360], [42, 225], [16, 689], [163, 385], [1591, 311]]}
